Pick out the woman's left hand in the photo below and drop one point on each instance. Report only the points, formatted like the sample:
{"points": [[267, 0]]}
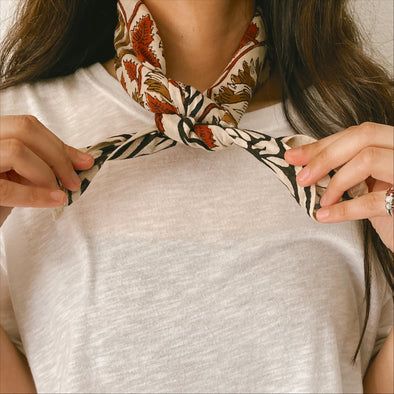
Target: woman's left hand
{"points": [[366, 153]]}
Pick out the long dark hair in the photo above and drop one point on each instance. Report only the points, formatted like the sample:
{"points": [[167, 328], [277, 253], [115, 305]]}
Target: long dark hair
{"points": [[311, 43]]}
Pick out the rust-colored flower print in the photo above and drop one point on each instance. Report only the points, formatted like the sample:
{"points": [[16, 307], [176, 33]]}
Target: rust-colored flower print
{"points": [[205, 133], [250, 35], [159, 107], [131, 69], [141, 39]]}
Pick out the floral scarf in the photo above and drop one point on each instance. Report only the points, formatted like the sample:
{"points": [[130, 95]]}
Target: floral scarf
{"points": [[206, 120]]}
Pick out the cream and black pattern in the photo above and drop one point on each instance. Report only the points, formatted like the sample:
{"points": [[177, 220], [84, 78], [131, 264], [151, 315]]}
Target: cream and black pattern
{"points": [[206, 120]]}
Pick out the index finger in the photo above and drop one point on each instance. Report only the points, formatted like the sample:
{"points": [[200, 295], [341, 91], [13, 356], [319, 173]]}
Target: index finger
{"points": [[59, 156], [303, 154], [361, 136]]}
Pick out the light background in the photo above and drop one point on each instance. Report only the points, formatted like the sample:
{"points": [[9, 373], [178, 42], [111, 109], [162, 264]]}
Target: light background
{"points": [[375, 17]]}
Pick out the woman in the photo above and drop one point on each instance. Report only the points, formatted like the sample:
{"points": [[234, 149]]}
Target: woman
{"points": [[185, 271]]}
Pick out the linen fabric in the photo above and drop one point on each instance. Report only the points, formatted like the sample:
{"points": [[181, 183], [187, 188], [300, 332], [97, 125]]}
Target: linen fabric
{"points": [[132, 290], [206, 120]]}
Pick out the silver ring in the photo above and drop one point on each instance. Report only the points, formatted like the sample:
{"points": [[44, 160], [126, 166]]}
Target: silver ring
{"points": [[389, 200]]}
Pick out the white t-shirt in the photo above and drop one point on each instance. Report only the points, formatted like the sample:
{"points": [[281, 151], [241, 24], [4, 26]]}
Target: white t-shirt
{"points": [[181, 271]]}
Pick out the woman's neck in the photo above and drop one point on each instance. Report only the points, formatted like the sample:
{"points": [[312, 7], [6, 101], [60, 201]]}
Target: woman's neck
{"points": [[200, 36]]}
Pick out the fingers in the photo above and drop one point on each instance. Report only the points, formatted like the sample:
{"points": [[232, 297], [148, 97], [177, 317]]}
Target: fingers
{"points": [[60, 157], [363, 152], [330, 152], [338, 153], [367, 206], [374, 162], [303, 154], [15, 195], [18, 157], [79, 159]]}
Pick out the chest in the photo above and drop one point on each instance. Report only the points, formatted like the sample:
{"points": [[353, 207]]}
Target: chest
{"points": [[187, 251], [184, 220]]}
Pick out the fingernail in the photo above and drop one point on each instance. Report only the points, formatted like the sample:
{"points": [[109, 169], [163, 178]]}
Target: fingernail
{"points": [[323, 199], [84, 156], [58, 196], [303, 174], [293, 150], [322, 213]]}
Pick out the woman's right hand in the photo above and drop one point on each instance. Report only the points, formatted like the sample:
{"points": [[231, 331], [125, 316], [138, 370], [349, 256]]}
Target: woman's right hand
{"points": [[31, 157]]}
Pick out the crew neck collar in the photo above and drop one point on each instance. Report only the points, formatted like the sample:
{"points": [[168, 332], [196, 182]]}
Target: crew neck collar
{"points": [[271, 116]]}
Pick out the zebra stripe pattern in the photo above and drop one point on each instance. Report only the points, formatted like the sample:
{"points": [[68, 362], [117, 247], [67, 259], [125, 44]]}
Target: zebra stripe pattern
{"points": [[206, 120]]}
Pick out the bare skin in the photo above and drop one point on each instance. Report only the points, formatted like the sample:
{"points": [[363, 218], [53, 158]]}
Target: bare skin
{"points": [[204, 34], [15, 375], [205, 52], [268, 94], [224, 22], [380, 376]]}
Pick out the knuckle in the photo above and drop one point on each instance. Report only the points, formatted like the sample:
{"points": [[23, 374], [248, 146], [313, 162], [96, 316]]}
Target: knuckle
{"points": [[324, 156], [15, 148], [342, 210], [368, 156], [353, 129], [31, 118], [366, 129], [367, 125], [27, 121], [4, 190], [323, 160], [34, 195], [24, 124]]}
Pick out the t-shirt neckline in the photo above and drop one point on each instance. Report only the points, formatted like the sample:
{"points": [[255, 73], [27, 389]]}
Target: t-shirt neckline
{"points": [[108, 85]]}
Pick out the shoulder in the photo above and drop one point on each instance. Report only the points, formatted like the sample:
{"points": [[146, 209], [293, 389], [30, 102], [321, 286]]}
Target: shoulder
{"points": [[50, 101], [79, 108], [26, 97]]}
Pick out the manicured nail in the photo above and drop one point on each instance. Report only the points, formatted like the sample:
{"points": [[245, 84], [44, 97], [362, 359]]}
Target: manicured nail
{"points": [[58, 196], [322, 213], [303, 174]]}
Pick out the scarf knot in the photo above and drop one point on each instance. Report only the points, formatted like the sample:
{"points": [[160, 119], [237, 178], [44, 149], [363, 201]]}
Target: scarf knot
{"points": [[183, 114]]}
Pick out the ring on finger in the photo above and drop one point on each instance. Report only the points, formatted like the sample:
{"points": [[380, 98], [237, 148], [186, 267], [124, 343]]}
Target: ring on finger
{"points": [[389, 200]]}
